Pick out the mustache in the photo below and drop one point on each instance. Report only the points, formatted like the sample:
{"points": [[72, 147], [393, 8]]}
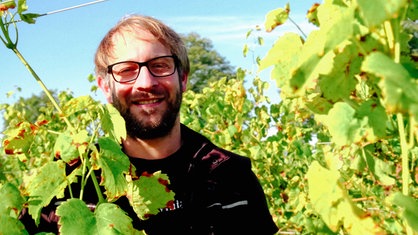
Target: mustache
{"points": [[151, 94]]}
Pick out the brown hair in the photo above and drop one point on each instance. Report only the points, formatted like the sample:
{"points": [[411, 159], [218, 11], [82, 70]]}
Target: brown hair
{"points": [[131, 23]]}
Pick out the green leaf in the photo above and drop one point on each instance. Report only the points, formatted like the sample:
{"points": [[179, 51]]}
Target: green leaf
{"points": [[12, 200], [319, 105], [381, 10], [114, 164], [276, 17], [409, 206], [49, 182], [344, 128], [149, 193], [11, 225], [113, 123], [340, 83], [399, 90], [108, 218], [376, 116], [29, 17], [379, 168]]}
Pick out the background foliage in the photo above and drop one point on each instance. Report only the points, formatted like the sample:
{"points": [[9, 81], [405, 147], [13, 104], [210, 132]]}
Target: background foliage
{"points": [[337, 155]]}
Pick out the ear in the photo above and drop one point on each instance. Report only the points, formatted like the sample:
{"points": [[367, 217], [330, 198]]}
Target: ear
{"points": [[104, 85], [184, 82]]}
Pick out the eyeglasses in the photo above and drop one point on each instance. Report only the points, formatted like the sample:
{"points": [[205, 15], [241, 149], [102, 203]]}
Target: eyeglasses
{"points": [[128, 71]]}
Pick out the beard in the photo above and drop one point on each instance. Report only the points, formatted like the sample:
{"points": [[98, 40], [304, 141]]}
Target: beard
{"points": [[136, 127]]}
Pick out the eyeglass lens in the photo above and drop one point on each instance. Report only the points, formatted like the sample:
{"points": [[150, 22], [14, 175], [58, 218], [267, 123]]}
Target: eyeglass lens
{"points": [[128, 71]]}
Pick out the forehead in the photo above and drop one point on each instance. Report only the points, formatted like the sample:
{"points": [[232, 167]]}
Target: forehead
{"points": [[134, 44]]}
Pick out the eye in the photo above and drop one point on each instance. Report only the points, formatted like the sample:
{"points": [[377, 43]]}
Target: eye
{"points": [[125, 69]]}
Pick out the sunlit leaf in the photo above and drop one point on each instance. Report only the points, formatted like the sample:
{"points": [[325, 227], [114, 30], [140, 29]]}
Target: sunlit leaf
{"points": [[49, 182], [399, 91], [409, 206], [381, 10], [276, 17], [332, 202], [108, 218], [376, 116], [67, 145], [12, 201], [19, 139], [149, 193], [344, 128], [114, 165], [113, 123], [11, 225]]}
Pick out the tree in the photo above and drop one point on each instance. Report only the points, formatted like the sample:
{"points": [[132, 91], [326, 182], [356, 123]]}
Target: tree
{"points": [[207, 65]]}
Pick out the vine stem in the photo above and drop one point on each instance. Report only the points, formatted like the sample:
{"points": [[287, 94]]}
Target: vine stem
{"points": [[44, 88], [405, 164], [404, 155]]}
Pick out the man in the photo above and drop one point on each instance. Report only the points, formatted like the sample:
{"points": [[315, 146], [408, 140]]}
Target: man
{"points": [[142, 68]]}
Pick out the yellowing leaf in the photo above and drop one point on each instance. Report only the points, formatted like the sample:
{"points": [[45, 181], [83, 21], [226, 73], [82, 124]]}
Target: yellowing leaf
{"points": [[68, 146], [12, 201], [331, 201], [19, 139], [149, 193], [343, 127], [49, 182], [399, 91], [276, 17]]}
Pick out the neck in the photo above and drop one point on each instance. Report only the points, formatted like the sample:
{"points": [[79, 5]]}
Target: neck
{"points": [[153, 149]]}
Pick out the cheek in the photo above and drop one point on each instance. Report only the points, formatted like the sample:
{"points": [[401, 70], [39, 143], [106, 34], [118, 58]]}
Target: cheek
{"points": [[121, 93]]}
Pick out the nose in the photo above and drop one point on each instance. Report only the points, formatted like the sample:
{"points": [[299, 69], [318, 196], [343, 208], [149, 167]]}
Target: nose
{"points": [[145, 79]]}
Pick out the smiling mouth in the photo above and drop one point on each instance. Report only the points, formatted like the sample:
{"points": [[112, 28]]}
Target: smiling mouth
{"points": [[145, 102]]}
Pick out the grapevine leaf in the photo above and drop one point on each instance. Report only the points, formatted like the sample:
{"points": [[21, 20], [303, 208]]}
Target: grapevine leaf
{"points": [[12, 201], [336, 24], [67, 145], [11, 225], [376, 115], [108, 218], [149, 193], [19, 139], [400, 93], [340, 83], [29, 17], [344, 128], [380, 169], [113, 123], [287, 47], [409, 206], [78, 104], [276, 17], [114, 163], [49, 182], [332, 202], [319, 105], [381, 10]]}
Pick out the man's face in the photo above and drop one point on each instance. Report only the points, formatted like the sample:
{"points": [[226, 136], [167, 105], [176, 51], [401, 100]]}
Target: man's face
{"points": [[149, 105]]}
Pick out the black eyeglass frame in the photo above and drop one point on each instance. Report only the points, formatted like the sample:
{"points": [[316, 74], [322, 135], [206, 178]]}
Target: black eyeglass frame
{"points": [[140, 64]]}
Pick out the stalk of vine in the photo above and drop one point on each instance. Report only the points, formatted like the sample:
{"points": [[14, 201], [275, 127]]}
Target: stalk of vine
{"points": [[44, 88], [7, 41]]}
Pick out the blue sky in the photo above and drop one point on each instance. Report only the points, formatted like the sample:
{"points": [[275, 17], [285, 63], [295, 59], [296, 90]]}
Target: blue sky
{"points": [[60, 47]]}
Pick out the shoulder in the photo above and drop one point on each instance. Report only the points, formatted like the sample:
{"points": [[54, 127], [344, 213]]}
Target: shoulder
{"points": [[211, 155]]}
